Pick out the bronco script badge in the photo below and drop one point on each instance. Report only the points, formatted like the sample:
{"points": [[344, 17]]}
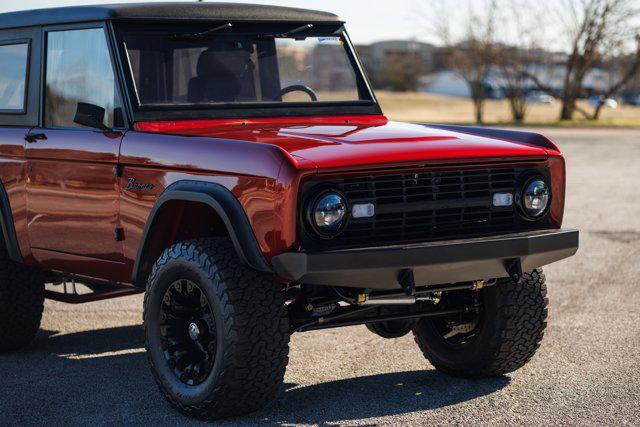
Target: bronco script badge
{"points": [[132, 184]]}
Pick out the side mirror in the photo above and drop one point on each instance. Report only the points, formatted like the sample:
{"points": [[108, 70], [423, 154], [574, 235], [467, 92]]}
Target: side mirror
{"points": [[91, 116]]}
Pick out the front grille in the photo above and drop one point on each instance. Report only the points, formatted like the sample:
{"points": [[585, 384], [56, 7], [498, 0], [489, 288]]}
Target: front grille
{"points": [[429, 205]]}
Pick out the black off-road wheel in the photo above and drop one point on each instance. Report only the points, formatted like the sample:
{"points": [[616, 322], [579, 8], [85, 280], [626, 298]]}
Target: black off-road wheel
{"points": [[217, 332], [502, 335], [21, 303]]}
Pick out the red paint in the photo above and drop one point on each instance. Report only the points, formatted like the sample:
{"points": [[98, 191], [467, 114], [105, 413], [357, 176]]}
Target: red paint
{"points": [[67, 200], [307, 146], [72, 195], [330, 143]]}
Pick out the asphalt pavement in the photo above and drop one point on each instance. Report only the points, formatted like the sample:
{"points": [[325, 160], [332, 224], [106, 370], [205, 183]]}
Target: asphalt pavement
{"points": [[87, 365]]}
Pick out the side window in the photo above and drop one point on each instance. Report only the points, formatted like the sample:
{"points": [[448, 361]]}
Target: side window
{"points": [[79, 70], [13, 77]]}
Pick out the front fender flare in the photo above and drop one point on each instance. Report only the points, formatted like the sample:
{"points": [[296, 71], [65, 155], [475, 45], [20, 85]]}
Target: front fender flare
{"points": [[225, 204]]}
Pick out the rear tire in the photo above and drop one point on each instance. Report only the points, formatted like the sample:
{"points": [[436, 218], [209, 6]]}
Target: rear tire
{"points": [[242, 359], [508, 333], [21, 303]]}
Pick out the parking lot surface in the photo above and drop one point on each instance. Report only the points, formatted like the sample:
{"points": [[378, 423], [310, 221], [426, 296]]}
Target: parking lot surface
{"points": [[88, 366]]}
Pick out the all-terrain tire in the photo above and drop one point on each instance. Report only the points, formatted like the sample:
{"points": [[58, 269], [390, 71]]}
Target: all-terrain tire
{"points": [[511, 328], [21, 303], [251, 320]]}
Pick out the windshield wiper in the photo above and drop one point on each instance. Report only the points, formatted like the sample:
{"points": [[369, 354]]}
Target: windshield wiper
{"points": [[200, 36], [295, 31], [286, 34]]}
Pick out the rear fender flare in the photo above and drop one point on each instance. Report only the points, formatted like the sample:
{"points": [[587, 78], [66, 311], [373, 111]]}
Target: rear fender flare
{"points": [[8, 227]]}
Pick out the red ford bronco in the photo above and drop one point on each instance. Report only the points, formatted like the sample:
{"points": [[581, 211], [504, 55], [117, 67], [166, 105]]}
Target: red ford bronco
{"points": [[232, 162]]}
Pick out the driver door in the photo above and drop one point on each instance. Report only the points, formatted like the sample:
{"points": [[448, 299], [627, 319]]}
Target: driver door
{"points": [[72, 188]]}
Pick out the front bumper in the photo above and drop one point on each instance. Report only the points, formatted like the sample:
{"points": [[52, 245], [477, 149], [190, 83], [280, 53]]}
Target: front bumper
{"points": [[431, 263]]}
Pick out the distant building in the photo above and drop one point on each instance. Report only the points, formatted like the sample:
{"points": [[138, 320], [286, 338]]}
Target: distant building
{"points": [[397, 64], [331, 69]]}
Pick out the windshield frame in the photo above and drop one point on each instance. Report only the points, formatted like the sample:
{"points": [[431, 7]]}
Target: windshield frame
{"points": [[152, 112]]}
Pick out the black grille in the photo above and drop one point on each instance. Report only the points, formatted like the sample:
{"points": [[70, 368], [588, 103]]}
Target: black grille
{"points": [[429, 205]]}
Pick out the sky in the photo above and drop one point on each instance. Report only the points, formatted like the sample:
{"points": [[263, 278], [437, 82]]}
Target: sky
{"points": [[367, 21], [375, 20]]}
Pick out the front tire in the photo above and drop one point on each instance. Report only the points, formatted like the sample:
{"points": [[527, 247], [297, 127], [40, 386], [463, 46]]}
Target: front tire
{"points": [[233, 360], [502, 339]]}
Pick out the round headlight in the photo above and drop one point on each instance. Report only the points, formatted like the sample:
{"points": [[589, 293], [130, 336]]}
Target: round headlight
{"points": [[329, 213], [535, 197]]}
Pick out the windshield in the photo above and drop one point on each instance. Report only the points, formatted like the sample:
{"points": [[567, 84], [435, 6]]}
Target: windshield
{"points": [[219, 65]]}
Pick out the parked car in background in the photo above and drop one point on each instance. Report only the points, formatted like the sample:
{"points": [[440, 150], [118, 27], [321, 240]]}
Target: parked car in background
{"points": [[594, 101], [538, 97], [631, 99]]}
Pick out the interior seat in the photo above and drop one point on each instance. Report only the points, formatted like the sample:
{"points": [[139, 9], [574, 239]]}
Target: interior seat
{"points": [[221, 76]]}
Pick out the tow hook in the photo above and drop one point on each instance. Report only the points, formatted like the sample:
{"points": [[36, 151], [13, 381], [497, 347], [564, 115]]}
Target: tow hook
{"points": [[514, 269]]}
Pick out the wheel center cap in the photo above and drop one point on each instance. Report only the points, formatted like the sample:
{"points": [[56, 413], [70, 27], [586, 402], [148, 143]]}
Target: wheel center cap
{"points": [[194, 331]]}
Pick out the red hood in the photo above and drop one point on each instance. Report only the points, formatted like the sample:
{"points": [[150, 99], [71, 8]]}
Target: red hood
{"points": [[337, 142]]}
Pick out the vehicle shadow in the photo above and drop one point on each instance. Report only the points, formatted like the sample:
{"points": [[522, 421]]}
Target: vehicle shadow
{"points": [[90, 342], [376, 396], [107, 370]]}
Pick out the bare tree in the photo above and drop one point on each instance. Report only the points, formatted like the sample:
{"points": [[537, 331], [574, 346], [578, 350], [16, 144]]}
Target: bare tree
{"points": [[519, 53], [471, 55], [621, 69], [402, 71], [599, 33], [593, 26], [511, 61]]}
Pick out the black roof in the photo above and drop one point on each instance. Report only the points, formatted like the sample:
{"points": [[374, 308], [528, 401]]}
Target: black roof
{"points": [[173, 11]]}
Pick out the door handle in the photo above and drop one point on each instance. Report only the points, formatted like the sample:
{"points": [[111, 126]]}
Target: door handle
{"points": [[35, 137]]}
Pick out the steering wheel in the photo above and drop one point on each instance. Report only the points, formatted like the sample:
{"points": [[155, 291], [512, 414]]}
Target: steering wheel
{"points": [[299, 88]]}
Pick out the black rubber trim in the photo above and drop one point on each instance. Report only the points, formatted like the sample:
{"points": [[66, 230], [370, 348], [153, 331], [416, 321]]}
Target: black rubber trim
{"points": [[530, 138], [8, 227], [246, 112], [431, 263], [226, 205]]}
